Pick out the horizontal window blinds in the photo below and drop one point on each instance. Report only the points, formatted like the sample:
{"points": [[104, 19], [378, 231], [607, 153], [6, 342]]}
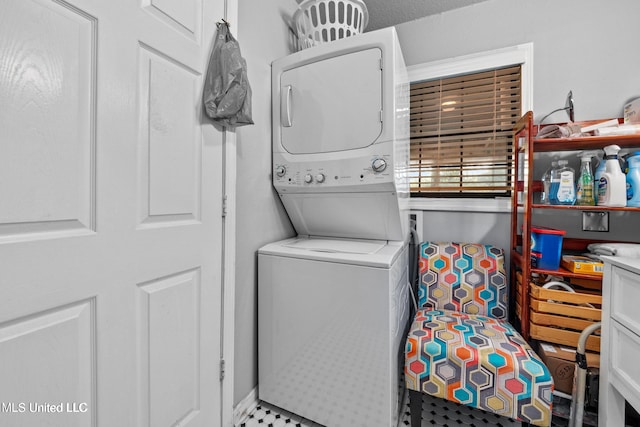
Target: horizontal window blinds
{"points": [[461, 133]]}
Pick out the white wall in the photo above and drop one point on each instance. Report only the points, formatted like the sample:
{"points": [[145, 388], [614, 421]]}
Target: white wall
{"points": [[263, 37], [580, 45], [588, 46], [484, 227]]}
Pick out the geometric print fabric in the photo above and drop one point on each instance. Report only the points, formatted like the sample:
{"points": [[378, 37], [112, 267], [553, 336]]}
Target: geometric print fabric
{"points": [[480, 362], [471, 358], [465, 277]]}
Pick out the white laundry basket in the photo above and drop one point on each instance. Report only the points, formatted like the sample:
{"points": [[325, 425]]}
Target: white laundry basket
{"points": [[322, 21]]}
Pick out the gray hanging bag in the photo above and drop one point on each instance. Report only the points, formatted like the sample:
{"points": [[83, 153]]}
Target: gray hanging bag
{"points": [[227, 94]]}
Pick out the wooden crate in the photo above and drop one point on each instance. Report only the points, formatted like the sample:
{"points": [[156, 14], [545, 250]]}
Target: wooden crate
{"points": [[559, 316]]}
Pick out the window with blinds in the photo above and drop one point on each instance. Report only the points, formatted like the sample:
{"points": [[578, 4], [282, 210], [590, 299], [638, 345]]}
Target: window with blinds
{"points": [[461, 134]]}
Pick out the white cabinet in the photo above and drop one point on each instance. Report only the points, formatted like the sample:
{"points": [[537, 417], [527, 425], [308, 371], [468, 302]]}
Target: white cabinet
{"points": [[620, 369]]}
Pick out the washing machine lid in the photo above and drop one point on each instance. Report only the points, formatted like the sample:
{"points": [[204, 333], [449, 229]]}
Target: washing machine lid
{"points": [[372, 253], [337, 245]]}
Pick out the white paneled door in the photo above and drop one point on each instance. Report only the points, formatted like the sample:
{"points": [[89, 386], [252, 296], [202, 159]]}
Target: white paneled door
{"points": [[110, 214]]}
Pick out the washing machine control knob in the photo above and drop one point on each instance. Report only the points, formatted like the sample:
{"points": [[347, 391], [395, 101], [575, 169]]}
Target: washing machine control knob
{"points": [[281, 171], [308, 178], [320, 177], [378, 165]]}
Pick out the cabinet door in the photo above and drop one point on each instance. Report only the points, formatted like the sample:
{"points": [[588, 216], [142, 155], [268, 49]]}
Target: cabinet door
{"points": [[333, 104]]}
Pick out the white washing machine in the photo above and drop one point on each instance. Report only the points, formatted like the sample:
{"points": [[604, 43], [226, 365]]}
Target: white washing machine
{"points": [[332, 316]]}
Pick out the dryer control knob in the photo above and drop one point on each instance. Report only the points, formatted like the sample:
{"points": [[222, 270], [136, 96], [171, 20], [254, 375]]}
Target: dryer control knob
{"points": [[308, 178], [378, 165], [320, 177], [281, 171]]}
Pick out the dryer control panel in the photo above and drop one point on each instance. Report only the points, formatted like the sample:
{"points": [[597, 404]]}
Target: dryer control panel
{"points": [[375, 173]]}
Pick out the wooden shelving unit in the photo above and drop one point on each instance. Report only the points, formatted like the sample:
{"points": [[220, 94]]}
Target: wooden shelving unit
{"points": [[582, 208], [524, 186]]}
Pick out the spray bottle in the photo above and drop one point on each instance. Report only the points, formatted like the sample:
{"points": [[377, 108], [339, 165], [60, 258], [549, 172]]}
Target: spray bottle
{"points": [[612, 187], [584, 187]]}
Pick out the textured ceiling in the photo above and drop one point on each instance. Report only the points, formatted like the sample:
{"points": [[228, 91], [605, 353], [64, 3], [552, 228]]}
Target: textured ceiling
{"points": [[386, 13]]}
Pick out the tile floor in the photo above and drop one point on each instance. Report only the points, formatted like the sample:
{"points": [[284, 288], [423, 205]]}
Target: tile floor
{"points": [[435, 412]]}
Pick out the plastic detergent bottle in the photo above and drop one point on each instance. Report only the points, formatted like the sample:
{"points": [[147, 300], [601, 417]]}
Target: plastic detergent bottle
{"points": [[554, 184], [546, 184], [566, 193], [584, 187], [633, 180], [596, 177], [612, 187], [622, 158]]}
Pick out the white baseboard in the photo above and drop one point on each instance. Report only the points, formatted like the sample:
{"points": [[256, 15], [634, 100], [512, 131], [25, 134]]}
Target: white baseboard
{"points": [[242, 410]]}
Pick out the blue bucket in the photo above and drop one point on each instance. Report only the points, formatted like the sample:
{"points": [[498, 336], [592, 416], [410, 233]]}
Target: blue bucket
{"points": [[546, 247]]}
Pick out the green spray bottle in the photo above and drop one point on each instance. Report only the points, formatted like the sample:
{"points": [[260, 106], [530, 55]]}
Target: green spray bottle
{"points": [[585, 188]]}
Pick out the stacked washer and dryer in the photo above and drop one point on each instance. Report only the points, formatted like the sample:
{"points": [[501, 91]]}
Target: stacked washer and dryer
{"points": [[333, 302]]}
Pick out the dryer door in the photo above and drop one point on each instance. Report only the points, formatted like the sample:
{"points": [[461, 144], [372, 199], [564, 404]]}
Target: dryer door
{"points": [[333, 104]]}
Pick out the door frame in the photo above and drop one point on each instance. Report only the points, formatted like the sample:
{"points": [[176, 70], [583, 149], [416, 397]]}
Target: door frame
{"points": [[227, 347]]}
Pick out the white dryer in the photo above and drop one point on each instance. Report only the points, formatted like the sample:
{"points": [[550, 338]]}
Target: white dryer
{"points": [[341, 137], [331, 321]]}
